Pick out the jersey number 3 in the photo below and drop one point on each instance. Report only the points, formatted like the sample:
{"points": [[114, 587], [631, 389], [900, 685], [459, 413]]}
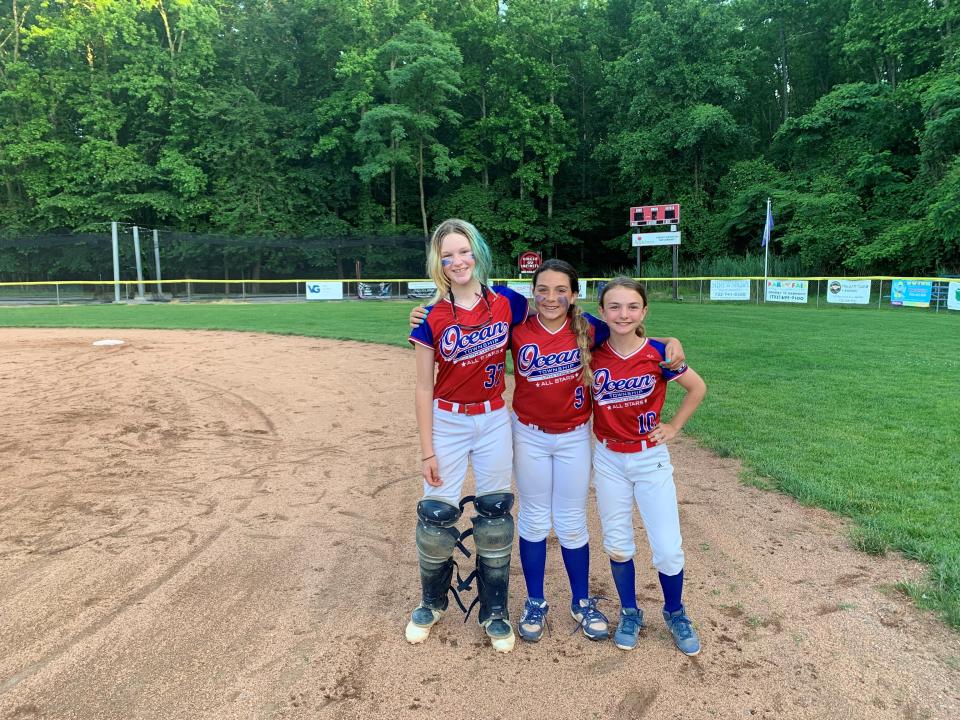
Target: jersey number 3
{"points": [[578, 397], [494, 375]]}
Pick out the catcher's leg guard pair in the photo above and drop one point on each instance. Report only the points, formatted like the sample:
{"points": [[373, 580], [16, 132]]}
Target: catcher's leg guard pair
{"points": [[437, 537]]}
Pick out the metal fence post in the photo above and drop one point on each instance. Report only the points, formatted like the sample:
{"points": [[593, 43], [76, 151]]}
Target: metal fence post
{"points": [[156, 257], [58, 293], [139, 261], [880, 296], [116, 262]]}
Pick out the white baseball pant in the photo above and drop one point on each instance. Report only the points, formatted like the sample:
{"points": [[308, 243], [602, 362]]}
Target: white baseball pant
{"points": [[620, 479], [553, 481], [483, 441]]}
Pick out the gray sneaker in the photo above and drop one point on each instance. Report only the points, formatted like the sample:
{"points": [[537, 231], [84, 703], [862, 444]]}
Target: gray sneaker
{"points": [[593, 622], [533, 619], [628, 631], [684, 636]]}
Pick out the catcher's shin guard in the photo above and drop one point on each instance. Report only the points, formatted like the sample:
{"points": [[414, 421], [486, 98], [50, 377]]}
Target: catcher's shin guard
{"points": [[436, 538], [493, 535]]}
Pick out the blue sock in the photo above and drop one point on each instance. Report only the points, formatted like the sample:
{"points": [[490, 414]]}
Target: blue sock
{"points": [[625, 578], [577, 563], [672, 591], [533, 560]]}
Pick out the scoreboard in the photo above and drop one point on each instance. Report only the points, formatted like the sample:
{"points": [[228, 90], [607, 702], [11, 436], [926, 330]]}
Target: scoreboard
{"points": [[655, 215]]}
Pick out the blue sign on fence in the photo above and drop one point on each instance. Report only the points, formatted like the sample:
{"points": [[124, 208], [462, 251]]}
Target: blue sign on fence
{"points": [[911, 293]]}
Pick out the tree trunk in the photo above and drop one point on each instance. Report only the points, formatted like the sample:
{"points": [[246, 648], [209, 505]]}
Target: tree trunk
{"points": [[16, 32], [483, 116], [891, 68], [393, 167], [784, 72], [583, 148], [550, 174], [393, 185], [423, 199]]}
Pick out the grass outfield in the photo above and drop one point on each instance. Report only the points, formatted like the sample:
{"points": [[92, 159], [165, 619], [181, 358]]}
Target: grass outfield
{"points": [[854, 410]]}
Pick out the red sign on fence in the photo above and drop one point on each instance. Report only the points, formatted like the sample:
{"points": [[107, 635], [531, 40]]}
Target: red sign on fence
{"points": [[655, 215], [529, 261]]}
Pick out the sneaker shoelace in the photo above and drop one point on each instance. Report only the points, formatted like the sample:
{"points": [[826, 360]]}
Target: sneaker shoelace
{"points": [[681, 626], [590, 614], [630, 624], [533, 614]]}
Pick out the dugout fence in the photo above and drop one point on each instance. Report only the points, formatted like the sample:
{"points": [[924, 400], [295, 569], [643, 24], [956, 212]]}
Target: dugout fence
{"points": [[933, 293]]}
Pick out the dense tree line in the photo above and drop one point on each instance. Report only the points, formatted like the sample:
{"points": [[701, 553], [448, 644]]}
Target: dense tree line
{"points": [[541, 121]]}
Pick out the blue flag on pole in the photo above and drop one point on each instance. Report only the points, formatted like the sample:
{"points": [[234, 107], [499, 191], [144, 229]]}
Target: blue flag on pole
{"points": [[767, 227]]}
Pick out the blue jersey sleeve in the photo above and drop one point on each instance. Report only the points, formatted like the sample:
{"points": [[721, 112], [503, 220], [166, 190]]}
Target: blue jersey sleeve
{"points": [[423, 334], [661, 349], [601, 331], [519, 308]]}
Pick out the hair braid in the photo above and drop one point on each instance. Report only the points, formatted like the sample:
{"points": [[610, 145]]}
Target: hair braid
{"points": [[581, 328]]}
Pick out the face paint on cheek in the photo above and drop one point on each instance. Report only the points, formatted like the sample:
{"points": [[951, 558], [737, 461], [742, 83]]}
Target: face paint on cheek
{"points": [[540, 299], [446, 262], [564, 302]]}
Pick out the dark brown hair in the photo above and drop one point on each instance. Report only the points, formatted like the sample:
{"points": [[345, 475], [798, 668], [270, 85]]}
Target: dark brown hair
{"points": [[578, 323]]}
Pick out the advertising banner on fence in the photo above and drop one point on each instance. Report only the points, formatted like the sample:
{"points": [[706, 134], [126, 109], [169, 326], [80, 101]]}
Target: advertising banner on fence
{"points": [[319, 290], [911, 293], [729, 289], [374, 290], [789, 291], [848, 292], [521, 287], [420, 290], [953, 296]]}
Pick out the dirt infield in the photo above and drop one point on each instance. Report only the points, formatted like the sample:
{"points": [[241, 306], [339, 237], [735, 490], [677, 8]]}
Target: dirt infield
{"points": [[219, 525]]}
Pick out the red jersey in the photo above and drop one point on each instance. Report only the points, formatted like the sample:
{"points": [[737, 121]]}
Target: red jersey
{"points": [[628, 392], [549, 390], [470, 349]]}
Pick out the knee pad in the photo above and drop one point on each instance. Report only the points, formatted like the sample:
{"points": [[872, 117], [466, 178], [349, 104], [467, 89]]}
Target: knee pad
{"points": [[493, 525], [437, 534]]}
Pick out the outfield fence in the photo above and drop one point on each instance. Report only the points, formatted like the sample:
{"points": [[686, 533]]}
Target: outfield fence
{"points": [[933, 293]]}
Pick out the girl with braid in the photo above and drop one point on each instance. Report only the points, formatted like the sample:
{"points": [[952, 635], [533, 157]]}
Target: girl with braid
{"points": [[551, 443]]}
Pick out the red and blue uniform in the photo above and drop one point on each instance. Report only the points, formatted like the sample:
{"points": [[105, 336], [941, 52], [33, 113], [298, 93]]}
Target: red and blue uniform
{"points": [[549, 391], [470, 348], [628, 394]]}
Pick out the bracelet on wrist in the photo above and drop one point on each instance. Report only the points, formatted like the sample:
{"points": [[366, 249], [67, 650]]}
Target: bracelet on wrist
{"points": [[428, 457]]}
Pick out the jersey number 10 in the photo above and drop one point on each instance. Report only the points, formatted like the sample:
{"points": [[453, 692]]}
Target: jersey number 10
{"points": [[648, 421]]}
